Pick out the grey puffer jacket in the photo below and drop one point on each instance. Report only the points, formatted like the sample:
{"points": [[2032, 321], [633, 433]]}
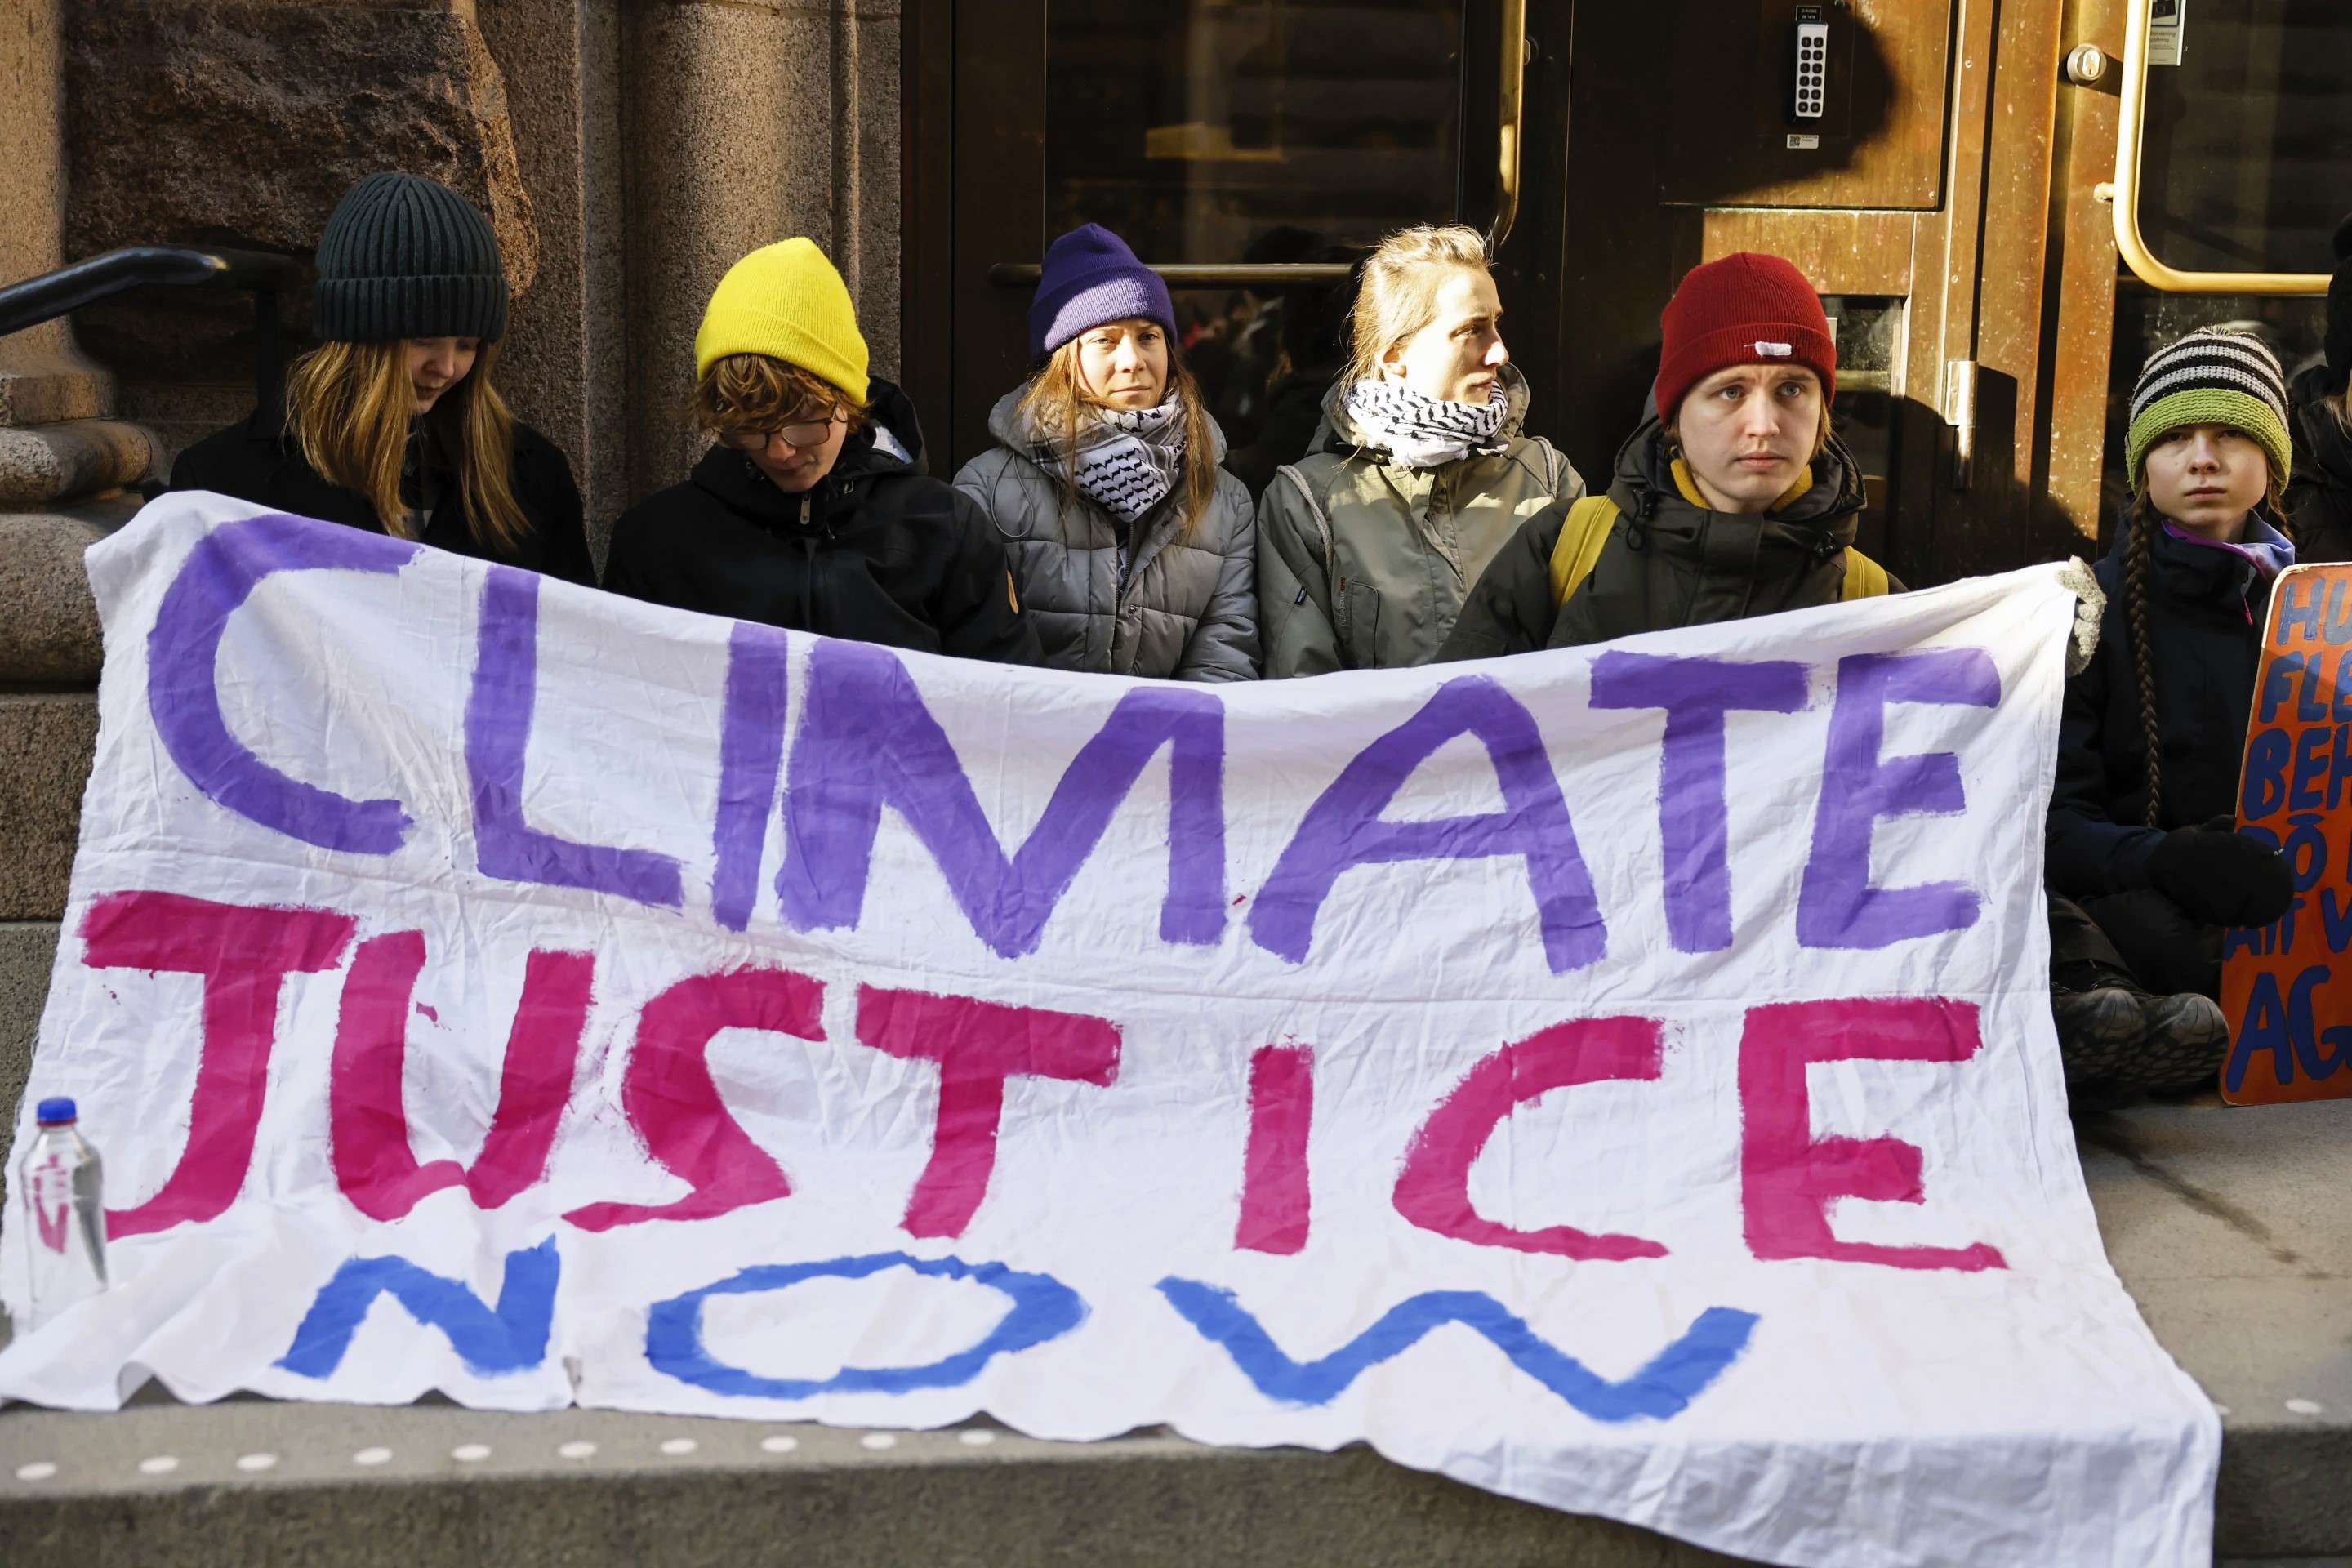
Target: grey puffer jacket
{"points": [[1189, 609]]}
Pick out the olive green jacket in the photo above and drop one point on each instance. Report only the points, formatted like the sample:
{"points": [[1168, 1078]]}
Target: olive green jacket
{"points": [[1363, 563]]}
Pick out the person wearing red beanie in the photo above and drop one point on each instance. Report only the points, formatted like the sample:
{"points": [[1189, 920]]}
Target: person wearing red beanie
{"points": [[1732, 498]]}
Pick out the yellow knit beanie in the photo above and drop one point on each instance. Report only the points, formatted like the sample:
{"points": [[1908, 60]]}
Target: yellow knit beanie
{"points": [[786, 300]]}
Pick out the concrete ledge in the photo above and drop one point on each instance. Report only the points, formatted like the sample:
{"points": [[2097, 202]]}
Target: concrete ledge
{"points": [[47, 742], [928, 1497], [45, 463], [48, 622], [2232, 1230]]}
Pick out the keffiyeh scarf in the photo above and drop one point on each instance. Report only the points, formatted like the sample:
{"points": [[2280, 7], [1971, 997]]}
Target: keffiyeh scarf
{"points": [[1419, 431], [1127, 458]]}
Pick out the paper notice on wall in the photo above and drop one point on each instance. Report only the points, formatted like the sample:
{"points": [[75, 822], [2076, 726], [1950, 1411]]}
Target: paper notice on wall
{"points": [[1620, 1078], [2166, 21]]}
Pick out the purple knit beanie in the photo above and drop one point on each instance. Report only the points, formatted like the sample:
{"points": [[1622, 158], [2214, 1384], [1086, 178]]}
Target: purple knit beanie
{"points": [[1091, 277]]}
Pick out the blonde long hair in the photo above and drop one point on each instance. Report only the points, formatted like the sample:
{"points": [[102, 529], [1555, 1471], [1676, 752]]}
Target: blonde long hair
{"points": [[1055, 402], [347, 406], [1398, 296]]}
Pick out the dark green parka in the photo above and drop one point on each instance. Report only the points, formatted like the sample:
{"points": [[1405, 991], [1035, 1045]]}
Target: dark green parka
{"points": [[1669, 561]]}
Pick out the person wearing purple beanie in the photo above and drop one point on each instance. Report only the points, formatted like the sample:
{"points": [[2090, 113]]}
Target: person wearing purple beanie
{"points": [[1133, 551]]}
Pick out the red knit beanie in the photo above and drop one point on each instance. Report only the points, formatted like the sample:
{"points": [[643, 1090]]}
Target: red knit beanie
{"points": [[1747, 309]]}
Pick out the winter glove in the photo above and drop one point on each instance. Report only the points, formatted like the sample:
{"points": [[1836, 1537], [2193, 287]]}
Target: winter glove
{"points": [[2220, 877]]}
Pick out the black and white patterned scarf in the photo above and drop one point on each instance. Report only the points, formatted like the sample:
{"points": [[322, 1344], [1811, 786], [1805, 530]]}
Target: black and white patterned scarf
{"points": [[1127, 458], [1421, 431]]}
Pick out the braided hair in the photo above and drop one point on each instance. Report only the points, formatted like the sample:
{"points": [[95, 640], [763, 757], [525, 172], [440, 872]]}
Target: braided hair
{"points": [[2138, 558]]}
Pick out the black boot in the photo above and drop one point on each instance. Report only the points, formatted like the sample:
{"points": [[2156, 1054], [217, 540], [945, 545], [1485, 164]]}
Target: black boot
{"points": [[2116, 1038], [2102, 1024], [2188, 1041]]}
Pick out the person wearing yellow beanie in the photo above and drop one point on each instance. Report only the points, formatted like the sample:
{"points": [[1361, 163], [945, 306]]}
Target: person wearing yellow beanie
{"points": [[812, 511]]}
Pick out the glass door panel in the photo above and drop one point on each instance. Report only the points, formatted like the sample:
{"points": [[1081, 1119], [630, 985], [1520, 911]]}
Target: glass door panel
{"points": [[2246, 133], [1230, 131], [2247, 129]]}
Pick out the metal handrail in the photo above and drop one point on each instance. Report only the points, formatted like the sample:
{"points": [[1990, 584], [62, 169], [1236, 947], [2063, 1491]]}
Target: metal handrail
{"points": [[2129, 242], [70, 288], [1510, 121], [1200, 274]]}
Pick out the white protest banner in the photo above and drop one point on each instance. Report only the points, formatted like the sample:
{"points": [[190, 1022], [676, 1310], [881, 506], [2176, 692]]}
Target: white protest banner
{"points": [[1620, 1078]]}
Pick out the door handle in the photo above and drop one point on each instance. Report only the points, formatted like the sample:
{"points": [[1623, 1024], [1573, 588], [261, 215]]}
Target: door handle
{"points": [[1510, 122], [1200, 274]]}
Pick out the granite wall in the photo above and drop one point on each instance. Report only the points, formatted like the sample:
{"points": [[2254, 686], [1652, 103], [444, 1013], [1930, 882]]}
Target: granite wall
{"points": [[626, 153], [242, 123], [747, 121]]}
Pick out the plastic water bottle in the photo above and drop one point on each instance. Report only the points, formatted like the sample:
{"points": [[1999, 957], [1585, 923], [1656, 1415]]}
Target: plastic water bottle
{"points": [[64, 1201]]}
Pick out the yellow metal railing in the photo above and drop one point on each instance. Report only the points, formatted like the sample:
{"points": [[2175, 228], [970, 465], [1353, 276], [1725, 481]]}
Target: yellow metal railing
{"points": [[1511, 120], [2128, 241]]}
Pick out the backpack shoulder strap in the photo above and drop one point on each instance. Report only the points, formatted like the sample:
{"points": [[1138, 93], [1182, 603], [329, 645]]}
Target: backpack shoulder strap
{"points": [[1555, 465], [1581, 535], [1314, 509], [1865, 578]]}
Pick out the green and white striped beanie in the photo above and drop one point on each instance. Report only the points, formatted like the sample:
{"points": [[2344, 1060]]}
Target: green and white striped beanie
{"points": [[2211, 377]]}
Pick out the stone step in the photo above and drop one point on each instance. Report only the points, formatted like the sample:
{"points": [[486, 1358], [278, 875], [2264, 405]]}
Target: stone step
{"points": [[40, 464]]}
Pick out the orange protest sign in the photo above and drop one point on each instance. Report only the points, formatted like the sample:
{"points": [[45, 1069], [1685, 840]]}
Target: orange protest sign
{"points": [[2287, 987]]}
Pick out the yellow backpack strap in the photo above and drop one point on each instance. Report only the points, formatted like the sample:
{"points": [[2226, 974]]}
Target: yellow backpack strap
{"points": [[1865, 578], [1581, 535]]}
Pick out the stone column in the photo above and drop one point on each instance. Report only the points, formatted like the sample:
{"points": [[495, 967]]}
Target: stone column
{"points": [[564, 366], [747, 121]]}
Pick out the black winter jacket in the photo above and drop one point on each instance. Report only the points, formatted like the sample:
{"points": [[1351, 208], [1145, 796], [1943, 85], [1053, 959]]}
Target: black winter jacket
{"points": [[2319, 498], [1669, 561], [878, 551], [255, 461], [2207, 606]]}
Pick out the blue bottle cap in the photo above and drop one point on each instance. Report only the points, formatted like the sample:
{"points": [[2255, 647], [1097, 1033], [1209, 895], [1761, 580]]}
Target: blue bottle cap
{"points": [[54, 1113]]}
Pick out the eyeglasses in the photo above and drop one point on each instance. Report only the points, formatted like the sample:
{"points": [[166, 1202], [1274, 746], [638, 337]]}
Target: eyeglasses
{"points": [[800, 436]]}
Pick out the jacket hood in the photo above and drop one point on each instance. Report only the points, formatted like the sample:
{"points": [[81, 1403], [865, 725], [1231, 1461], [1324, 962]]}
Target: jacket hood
{"points": [[2321, 439], [1338, 433], [1821, 520], [1012, 433], [890, 442], [2192, 572]]}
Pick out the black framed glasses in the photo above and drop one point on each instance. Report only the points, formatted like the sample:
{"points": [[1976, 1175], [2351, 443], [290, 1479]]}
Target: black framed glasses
{"points": [[801, 435]]}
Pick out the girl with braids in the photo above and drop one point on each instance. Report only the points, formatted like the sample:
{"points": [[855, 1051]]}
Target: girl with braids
{"points": [[2144, 866]]}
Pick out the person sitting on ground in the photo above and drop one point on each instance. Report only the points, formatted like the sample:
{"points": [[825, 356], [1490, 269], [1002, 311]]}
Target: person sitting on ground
{"points": [[1417, 476], [2145, 868], [810, 510], [1132, 551], [390, 424], [2319, 501], [1737, 500]]}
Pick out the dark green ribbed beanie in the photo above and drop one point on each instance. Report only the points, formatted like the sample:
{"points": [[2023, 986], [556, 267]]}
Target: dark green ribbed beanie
{"points": [[408, 257]]}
